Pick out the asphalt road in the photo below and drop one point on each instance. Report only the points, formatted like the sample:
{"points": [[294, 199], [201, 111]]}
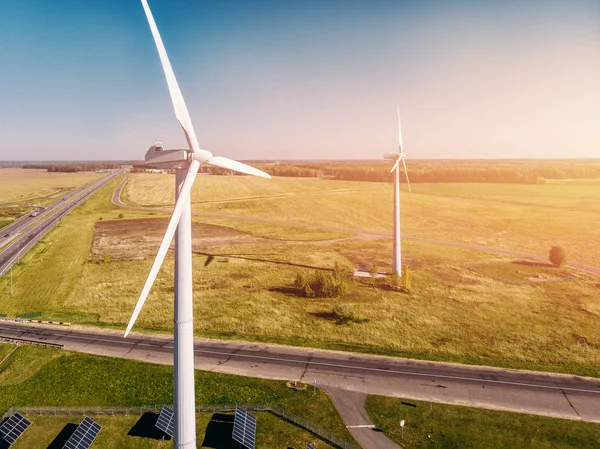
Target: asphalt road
{"points": [[25, 232], [563, 396]]}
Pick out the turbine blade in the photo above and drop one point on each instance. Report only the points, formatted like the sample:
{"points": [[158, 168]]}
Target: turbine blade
{"points": [[164, 246], [181, 111], [406, 172], [223, 162], [395, 165], [399, 132]]}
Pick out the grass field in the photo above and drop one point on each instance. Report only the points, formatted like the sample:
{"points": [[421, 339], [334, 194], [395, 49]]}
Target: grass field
{"points": [[529, 218], [214, 431], [20, 186], [450, 426], [465, 306], [34, 376]]}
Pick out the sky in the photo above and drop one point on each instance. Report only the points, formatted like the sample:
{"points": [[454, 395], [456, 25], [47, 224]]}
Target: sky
{"points": [[302, 79]]}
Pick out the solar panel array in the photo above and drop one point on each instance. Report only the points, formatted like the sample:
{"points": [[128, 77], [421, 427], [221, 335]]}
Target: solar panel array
{"points": [[12, 429], [244, 428], [84, 435], [166, 421]]}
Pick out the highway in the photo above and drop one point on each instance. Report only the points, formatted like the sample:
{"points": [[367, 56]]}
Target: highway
{"points": [[546, 394], [21, 235]]}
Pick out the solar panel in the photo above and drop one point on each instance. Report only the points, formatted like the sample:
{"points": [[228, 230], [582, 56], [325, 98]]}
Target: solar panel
{"points": [[166, 421], [309, 446], [84, 435], [244, 428], [12, 429]]}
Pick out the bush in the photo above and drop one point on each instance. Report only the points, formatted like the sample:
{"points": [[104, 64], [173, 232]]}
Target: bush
{"points": [[121, 216], [557, 256], [407, 279], [321, 284]]}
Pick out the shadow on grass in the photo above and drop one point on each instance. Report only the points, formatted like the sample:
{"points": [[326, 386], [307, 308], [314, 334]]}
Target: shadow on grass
{"points": [[63, 436], [339, 319], [145, 427], [531, 263], [218, 432], [211, 258], [288, 291]]}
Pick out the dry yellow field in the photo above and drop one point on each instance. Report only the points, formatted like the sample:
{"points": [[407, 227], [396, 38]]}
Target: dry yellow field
{"points": [[526, 218], [465, 305], [20, 186]]}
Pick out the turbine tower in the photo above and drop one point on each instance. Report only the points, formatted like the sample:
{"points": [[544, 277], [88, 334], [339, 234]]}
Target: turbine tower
{"points": [[187, 163], [400, 156]]}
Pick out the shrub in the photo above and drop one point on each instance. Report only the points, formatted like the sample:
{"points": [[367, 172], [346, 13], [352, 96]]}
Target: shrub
{"points": [[321, 284], [121, 216], [557, 256], [407, 279], [394, 279]]}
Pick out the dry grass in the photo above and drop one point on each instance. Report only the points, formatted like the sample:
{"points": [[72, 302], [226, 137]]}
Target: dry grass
{"points": [[21, 186], [528, 218], [454, 312]]}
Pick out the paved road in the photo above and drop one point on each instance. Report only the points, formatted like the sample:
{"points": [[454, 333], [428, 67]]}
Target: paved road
{"points": [[27, 231], [351, 407], [529, 392], [365, 232]]}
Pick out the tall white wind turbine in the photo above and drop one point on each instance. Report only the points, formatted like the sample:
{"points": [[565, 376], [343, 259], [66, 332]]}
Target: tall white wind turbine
{"points": [[398, 157], [187, 163]]}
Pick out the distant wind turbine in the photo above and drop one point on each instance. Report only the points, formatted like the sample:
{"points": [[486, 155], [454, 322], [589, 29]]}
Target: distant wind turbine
{"points": [[187, 163], [398, 157]]}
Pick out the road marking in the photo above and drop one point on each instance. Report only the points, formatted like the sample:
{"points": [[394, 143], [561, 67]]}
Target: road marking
{"points": [[337, 365]]}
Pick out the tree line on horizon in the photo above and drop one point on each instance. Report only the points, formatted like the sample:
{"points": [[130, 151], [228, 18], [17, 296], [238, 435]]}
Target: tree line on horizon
{"points": [[72, 168], [533, 172], [424, 173]]}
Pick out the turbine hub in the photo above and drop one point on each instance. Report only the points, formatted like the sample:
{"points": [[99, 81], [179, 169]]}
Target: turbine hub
{"points": [[200, 155]]}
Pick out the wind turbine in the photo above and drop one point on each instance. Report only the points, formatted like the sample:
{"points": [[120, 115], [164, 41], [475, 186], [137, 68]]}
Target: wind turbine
{"points": [[187, 163], [400, 156]]}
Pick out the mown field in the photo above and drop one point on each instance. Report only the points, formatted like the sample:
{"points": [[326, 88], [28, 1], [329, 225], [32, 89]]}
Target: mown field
{"points": [[451, 426], [34, 376], [20, 186], [465, 306], [507, 216]]}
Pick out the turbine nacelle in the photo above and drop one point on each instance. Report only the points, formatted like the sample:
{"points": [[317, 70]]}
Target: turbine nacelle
{"points": [[394, 156], [158, 157]]}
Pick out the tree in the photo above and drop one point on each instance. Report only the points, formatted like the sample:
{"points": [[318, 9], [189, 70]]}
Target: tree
{"points": [[558, 256]]}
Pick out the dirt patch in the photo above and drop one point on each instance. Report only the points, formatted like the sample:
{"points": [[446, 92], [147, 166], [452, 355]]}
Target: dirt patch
{"points": [[140, 238]]}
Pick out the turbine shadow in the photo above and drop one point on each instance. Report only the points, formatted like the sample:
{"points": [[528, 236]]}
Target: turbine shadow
{"points": [[531, 263], [212, 258]]}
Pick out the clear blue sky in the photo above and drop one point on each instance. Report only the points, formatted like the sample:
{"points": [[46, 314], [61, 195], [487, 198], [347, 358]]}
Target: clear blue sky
{"points": [[289, 79]]}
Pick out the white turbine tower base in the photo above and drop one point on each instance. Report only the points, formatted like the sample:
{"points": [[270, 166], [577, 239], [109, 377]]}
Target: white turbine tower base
{"points": [[184, 399], [187, 163], [398, 157]]}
